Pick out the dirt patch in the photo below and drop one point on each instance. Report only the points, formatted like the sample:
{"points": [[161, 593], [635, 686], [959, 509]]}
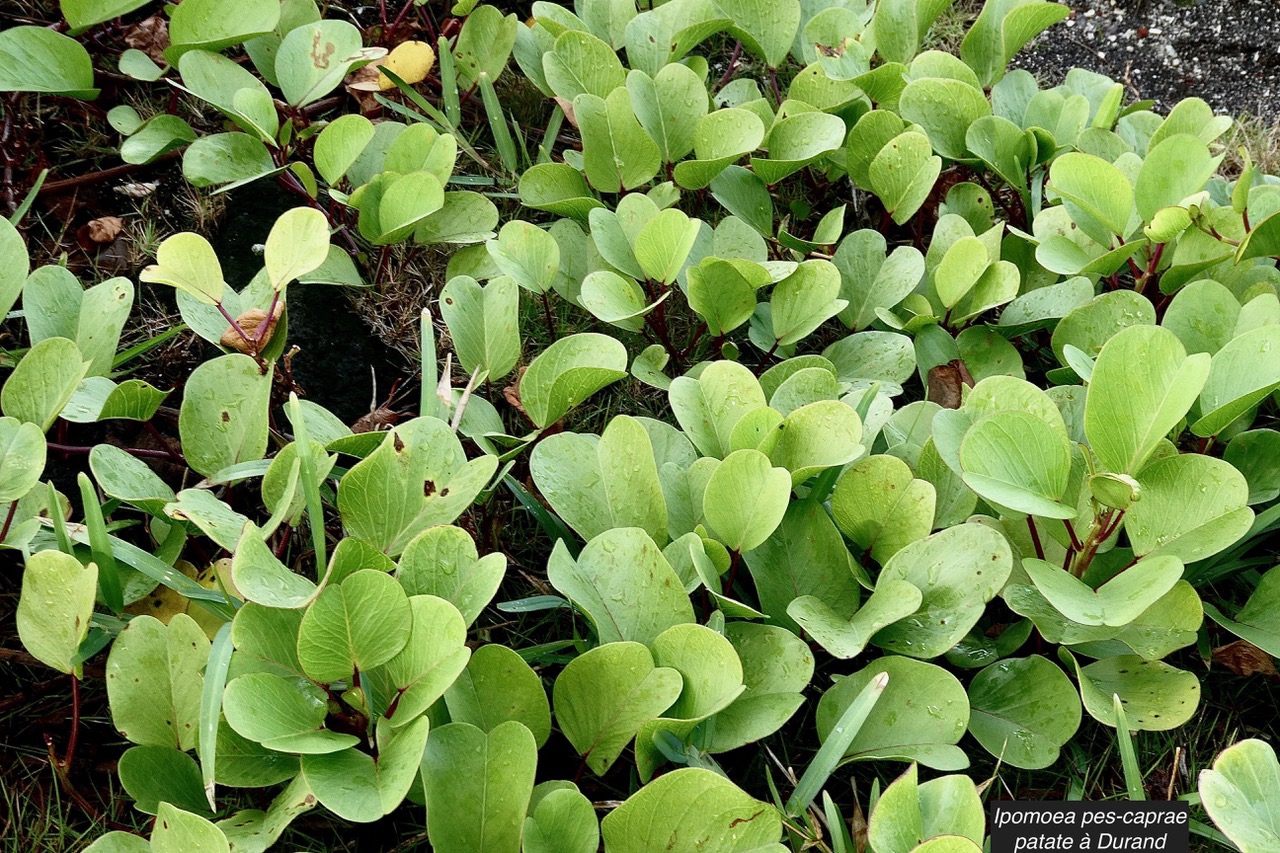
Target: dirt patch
{"points": [[1224, 51]]}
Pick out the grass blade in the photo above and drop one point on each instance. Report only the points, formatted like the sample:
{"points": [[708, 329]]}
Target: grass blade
{"points": [[310, 487], [100, 546], [1128, 757], [550, 135], [841, 841], [125, 356], [215, 679], [498, 125], [29, 200], [550, 524], [448, 82], [828, 757]]}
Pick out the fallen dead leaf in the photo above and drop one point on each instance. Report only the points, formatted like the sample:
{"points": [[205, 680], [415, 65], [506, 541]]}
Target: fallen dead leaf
{"points": [[249, 321], [151, 36], [1244, 658], [946, 383], [105, 229]]}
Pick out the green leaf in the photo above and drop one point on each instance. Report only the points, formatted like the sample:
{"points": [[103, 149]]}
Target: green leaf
{"points": [[722, 137], [465, 217], [1257, 621], [483, 323], [804, 300], [881, 507], [709, 407], [796, 141], [1241, 376], [624, 585], [156, 774], [1097, 195], [527, 254], [617, 154], [871, 281], [223, 419], [496, 687], [431, 660], [36, 59], [361, 624], [669, 106], [947, 809], [746, 498], [100, 399], [1117, 602], [340, 144], [357, 787], [1023, 711], [568, 372], [313, 59], [688, 810], [81, 14], [14, 265], [22, 458], [484, 44], [945, 109], [478, 787], [903, 173], [1156, 697], [1142, 385], [723, 292], [598, 484], [563, 821], [902, 727], [129, 479], [187, 262], [227, 159], [1016, 460], [1175, 168], [805, 556], [297, 244], [581, 64], [233, 90], [215, 24], [283, 714], [254, 831], [664, 243], [846, 637], [900, 25], [43, 382], [54, 608], [1236, 792], [776, 667], [442, 561], [604, 696], [392, 206], [162, 709], [1003, 29], [959, 570], [177, 831], [416, 478], [1091, 325], [1192, 507], [557, 188]]}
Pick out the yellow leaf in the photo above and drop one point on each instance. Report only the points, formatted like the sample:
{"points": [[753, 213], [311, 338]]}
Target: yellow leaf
{"points": [[411, 61]]}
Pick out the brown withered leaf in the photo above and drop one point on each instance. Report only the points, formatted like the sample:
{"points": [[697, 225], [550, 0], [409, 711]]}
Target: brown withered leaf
{"points": [[512, 393], [151, 36], [105, 229], [249, 321], [566, 107], [1244, 658], [946, 382]]}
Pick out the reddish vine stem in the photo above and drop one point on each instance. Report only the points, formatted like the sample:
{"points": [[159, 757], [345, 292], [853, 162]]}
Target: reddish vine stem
{"points": [[733, 65], [140, 452], [546, 311], [1035, 537], [8, 519]]}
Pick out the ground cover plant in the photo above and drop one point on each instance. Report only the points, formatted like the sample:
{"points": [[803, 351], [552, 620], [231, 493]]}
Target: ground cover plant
{"points": [[940, 430]]}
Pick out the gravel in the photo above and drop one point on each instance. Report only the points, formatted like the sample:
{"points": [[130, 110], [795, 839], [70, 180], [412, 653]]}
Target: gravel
{"points": [[1224, 51]]}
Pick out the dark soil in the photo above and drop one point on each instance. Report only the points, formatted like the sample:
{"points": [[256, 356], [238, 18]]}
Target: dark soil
{"points": [[1224, 51]]}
